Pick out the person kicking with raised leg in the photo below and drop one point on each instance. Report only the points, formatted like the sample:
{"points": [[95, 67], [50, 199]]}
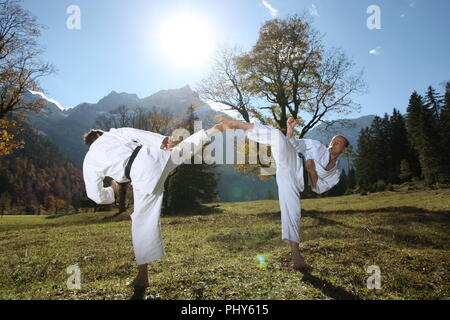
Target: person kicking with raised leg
{"points": [[321, 164], [144, 158]]}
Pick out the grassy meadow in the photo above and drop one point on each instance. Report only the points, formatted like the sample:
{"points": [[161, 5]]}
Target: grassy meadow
{"points": [[213, 254]]}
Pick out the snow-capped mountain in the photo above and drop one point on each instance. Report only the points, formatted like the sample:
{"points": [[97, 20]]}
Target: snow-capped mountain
{"points": [[65, 127]]}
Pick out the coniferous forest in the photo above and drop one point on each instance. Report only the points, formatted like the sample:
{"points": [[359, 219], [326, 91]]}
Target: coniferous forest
{"points": [[394, 149], [397, 148]]}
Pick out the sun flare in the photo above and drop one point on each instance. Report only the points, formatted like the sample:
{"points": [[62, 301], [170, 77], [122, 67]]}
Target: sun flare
{"points": [[186, 40]]}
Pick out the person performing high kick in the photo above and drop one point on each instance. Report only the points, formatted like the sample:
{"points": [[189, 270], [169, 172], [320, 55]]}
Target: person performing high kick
{"points": [[289, 152]]}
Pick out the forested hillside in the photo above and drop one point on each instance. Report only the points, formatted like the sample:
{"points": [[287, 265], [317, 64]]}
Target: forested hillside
{"points": [[38, 178]]}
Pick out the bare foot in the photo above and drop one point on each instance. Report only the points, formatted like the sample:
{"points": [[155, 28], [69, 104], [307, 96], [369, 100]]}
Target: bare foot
{"points": [[230, 123], [299, 261], [223, 126], [221, 118]]}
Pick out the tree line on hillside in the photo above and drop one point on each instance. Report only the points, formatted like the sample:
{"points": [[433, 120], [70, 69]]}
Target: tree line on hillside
{"points": [[288, 69], [38, 179], [21, 66], [396, 149]]}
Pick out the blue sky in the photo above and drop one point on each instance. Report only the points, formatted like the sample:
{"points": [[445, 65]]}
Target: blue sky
{"points": [[118, 46]]}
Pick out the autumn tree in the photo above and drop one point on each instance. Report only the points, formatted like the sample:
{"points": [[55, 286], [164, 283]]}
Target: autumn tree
{"points": [[290, 71], [20, 68]]}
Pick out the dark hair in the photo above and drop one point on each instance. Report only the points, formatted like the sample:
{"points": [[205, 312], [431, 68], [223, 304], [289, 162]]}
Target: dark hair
{"points": [[91, 136]]}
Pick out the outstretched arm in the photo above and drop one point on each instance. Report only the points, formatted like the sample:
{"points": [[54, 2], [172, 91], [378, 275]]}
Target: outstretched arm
{"points": [[152, 139]]}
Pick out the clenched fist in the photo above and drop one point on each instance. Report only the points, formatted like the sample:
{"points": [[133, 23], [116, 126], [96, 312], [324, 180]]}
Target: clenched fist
{"points": [[291, 122]]}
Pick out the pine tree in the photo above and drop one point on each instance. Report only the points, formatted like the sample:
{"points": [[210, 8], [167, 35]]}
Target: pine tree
{"points": [[444, 129], [433, 102], [351, 179], [405, 171], [400, 149], [372, 157], [363, 161], [190, 185], [423, 134], [341, 187], [385, 143]]}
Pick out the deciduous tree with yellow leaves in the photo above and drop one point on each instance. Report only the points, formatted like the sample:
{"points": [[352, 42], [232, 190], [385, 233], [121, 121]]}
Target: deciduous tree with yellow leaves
{"points": [[20, 69]]}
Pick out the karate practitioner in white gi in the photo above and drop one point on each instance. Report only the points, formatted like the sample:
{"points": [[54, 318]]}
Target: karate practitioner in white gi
{"points": [[108, 155], [321, 164]]}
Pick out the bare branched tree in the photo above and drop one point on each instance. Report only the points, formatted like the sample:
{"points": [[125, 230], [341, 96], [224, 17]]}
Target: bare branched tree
{"points": [[20, 64], [154, 119], [290, 69], [225, 84]]}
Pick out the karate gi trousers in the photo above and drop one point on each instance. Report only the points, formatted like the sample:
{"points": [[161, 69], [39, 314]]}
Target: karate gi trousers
{"points": [[145, 227], [289, 177]]}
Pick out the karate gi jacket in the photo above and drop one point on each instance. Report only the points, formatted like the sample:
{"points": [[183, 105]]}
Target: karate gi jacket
{"points": [[315, 150], [109, 154]]}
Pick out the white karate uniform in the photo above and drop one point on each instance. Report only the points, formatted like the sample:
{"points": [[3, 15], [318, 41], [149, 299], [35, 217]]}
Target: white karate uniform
{"points": [[108, 156], [315, 150], [289, 173]]}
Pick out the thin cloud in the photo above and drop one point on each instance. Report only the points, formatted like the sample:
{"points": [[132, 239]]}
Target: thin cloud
{"points": [[313, 11], [412, 4], [402, 15], [376, 51], [272, 10]]}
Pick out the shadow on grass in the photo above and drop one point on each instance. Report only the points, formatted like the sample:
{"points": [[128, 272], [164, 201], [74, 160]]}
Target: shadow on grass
{"points": [[407, 238], [443, 214], [199, 211], [114, 217], [82, 219], [328, 288], [236, 241], [401, 216], [433, 215]]}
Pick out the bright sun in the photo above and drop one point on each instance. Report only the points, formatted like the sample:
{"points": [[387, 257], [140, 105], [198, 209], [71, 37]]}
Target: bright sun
{"points": [[186, 40]]}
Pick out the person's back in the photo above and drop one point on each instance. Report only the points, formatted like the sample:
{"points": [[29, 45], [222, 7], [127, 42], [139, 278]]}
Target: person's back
{"points": [[109, 153]]}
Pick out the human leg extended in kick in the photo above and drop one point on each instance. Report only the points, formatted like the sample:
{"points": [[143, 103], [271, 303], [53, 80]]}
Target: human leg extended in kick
{"points": [[288, 164]]}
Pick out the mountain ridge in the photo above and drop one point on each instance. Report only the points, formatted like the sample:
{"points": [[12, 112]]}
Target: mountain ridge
{"points": [[65, 128]]}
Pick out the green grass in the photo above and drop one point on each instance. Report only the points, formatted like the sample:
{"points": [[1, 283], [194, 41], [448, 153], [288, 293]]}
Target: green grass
{"points": [[213, 254]]}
